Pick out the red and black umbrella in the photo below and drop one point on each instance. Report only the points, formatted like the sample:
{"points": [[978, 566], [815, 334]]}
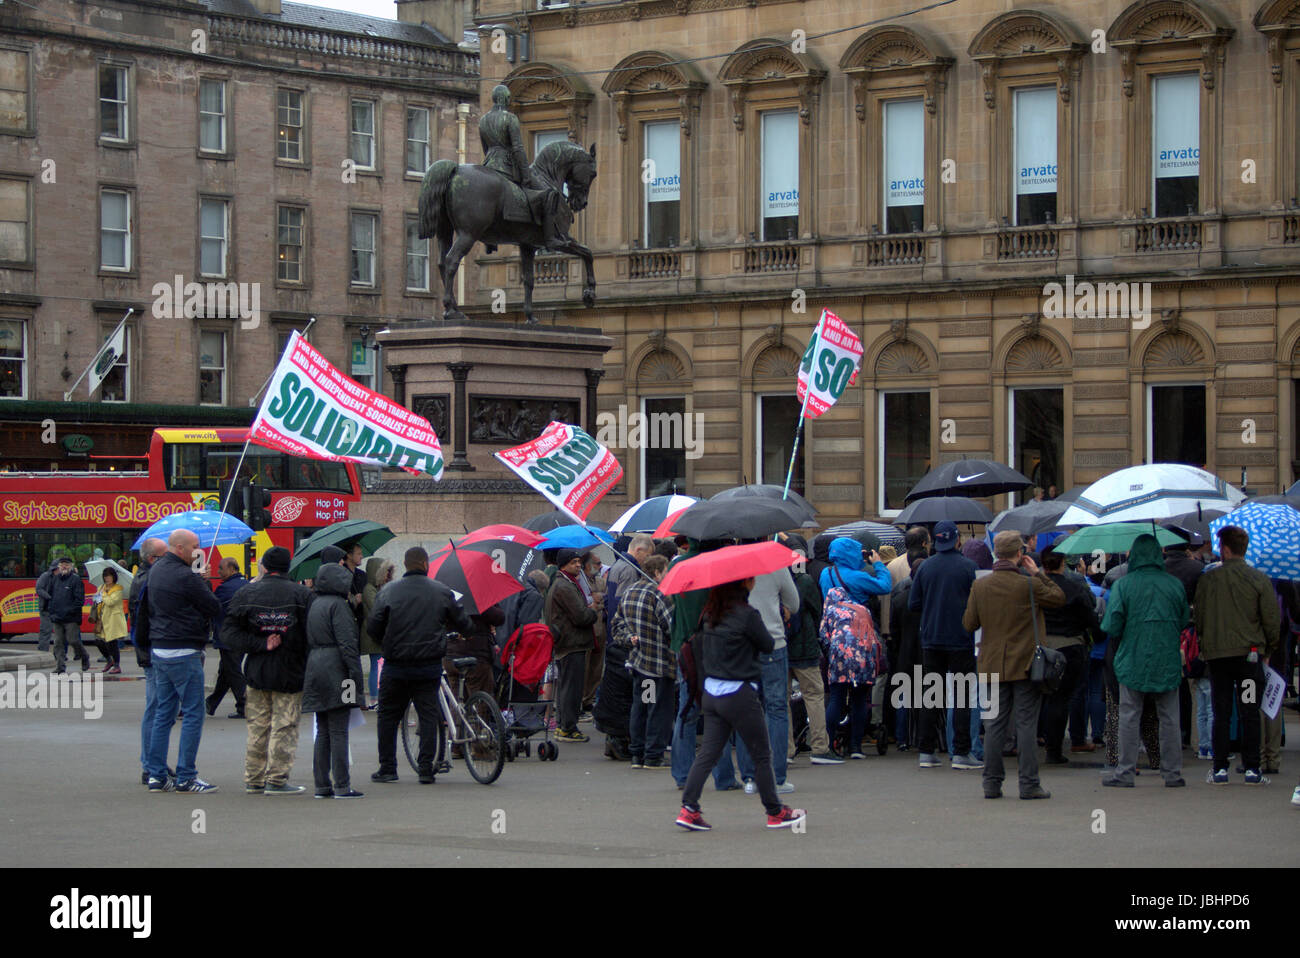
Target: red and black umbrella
{"points": [[513, 558], [478, 578], [502, 530], [728, 564]]}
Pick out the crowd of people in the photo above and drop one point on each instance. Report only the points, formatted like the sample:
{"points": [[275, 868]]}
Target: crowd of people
{"points": [[1167, 648]]}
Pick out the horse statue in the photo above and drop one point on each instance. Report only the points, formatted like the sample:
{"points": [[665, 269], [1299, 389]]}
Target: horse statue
{"points": [[466, 204]]}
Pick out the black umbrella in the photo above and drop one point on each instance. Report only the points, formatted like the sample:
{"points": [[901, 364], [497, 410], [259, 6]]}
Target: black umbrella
{"points": [[513, 558], [1193, 523], [972, 478], [937, 508], [1287, 499], [870, 534], [1032, 518], [767, 491], [547, 521], [738, 518]]}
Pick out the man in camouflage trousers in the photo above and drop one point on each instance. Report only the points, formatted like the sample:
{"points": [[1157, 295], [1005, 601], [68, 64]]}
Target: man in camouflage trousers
{"points": [[267, 621]]}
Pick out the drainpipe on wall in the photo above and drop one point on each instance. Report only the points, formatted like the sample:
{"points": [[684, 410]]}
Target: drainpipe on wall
{"points": [[462, 118]]}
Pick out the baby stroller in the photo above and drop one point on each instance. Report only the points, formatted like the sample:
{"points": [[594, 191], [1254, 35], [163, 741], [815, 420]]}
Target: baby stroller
{"points": [[524, 691]]}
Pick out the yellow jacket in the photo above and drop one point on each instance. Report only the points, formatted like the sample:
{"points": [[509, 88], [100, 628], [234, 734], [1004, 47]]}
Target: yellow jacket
{"points": [[112, 613]]}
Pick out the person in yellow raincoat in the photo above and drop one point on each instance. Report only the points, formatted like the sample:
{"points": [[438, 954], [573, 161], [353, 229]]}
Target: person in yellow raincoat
{"points": [[112, 621]]}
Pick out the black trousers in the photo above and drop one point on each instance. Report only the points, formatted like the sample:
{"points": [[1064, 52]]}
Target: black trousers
{"points": [[743, 713], [399, 686], [331, 752], [568, 690], [1056, 707], [1226, 679], [230, 678], [946, 662]]}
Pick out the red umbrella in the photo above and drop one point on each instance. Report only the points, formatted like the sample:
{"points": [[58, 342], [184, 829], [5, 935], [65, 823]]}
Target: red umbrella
{"points": [[665, 527], [475, 576], [729, 564], [502, 530]]}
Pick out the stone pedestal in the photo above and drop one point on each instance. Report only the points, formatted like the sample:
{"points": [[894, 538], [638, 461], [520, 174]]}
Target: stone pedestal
{"points": [[484, 387]]}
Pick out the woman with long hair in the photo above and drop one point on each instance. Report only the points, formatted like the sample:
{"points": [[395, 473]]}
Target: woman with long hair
{"points": [[727, 652], [112, 621]]}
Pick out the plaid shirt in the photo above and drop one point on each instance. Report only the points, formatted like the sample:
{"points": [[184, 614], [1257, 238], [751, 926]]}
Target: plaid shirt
{"points": [[643, 612]]}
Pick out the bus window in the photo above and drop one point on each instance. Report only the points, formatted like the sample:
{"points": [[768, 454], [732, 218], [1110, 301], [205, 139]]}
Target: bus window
{"points": [[183, 463], [80, 545], [15, 556]]}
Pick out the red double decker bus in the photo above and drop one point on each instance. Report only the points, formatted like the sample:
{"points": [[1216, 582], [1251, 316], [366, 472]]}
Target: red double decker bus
{"points": [[89, 515]]}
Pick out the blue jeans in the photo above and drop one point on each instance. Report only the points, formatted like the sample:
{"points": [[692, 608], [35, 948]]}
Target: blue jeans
{"points": [[858, 700], [776, 695], [683, 754], [179, 685], [372, 681], [1204, 713], [146, 723], [976, 746]]}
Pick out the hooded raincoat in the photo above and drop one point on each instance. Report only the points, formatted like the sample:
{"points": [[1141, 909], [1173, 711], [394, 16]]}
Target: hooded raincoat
{"points": [[1146, 614]]}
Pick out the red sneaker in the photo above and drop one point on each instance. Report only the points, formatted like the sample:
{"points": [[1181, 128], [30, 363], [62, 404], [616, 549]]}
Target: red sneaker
{"points": [[786, 817], [692, 821]]}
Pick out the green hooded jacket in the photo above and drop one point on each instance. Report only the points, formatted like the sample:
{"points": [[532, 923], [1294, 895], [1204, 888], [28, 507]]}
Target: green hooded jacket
{"points": [[1146, 613], [687, 607]]}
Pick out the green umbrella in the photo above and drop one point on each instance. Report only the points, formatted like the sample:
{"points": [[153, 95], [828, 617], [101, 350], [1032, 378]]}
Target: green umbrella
{"points": [[1115, 537], [369, 535]]}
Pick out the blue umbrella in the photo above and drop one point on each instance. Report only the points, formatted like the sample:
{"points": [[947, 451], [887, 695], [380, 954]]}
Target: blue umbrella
{"points": [[575, 537], [1274, 531], [203, 523]]}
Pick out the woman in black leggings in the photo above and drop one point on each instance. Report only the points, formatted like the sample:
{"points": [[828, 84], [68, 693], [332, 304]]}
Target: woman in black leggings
{"points": [[727, 657]]}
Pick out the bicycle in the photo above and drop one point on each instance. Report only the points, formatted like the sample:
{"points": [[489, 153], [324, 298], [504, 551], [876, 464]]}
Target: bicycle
{"points": [[478, 728]]}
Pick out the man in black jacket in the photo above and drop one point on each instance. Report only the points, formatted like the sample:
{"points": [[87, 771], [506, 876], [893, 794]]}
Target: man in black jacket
{"points": [[67, 596], [1068, 630], [410, 620], [267, 622], [230, 677], [180, 607], [151, 550]]}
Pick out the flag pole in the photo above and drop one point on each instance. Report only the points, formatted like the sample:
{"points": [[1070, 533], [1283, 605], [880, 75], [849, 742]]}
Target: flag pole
{"points": [[221, 517], [798, 429], [67, 396], [252, 400]]}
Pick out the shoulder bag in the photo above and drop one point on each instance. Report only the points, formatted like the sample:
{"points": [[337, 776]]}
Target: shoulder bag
{"points": [[1047, 667]]}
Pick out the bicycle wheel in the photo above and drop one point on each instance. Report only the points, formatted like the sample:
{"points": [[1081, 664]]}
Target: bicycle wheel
{"points": [[411, 734], [485, 752]]}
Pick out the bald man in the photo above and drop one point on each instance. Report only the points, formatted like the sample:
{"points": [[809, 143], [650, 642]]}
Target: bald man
{"points": [[151, 550], [180, 610]]}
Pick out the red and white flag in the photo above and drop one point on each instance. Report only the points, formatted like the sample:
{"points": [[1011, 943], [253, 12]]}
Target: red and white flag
{"points": [[830, 364], [567, 466]]}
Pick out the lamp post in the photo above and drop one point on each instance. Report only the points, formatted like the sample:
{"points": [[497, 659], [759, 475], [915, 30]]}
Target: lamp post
{"points": [[377, 383]]}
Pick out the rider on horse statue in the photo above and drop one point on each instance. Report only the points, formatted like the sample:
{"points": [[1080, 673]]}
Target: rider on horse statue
{"points": [[503, 152]]}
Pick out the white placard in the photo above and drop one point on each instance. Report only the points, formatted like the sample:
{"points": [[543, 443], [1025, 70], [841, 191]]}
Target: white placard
{"points": [[1176, 105], [1274, 691], [1035, 123], [904, 153], [663, 149], [781, 163]]}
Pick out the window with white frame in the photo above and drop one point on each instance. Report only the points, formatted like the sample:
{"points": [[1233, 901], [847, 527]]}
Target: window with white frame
{"points": [[212, 367], [212, 115], [662, 195], [1037, 433], [214, 230], [13, 359], [1176, 144], [904, 147], [15, 108], [418, 123], [663, 446], [1034, 178], [904, 445], [289, 243], [417, 257], [778, 417], [116, 386], [289, 125], [115, 230], [364, 233], [363, 134], [114, 115], [779, 182], [15, 220], [1176, 424]]}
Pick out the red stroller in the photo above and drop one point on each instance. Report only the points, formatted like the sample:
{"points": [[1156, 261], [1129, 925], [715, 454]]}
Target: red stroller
{"points": [[524, 691]]}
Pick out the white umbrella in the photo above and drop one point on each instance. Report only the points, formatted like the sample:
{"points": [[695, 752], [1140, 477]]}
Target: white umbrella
{"points": [[1153, 492], [95, 572]]}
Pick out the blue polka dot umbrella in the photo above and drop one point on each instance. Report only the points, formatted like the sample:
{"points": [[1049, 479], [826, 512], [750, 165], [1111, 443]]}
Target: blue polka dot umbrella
{"points": [[1274, 537]]}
